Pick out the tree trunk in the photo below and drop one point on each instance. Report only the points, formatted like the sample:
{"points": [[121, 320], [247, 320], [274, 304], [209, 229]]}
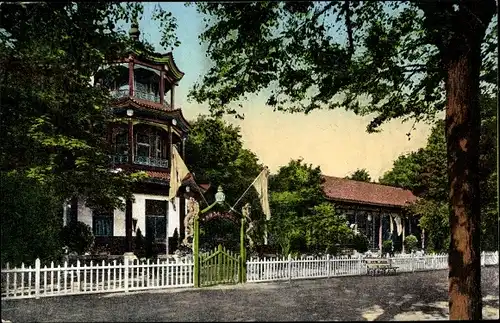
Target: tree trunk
{"points": [[463, 126]]}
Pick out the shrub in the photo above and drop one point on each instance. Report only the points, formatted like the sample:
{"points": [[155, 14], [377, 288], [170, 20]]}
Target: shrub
{"points": [[411, 243], [360, 243], [175, 241], [139, 250], [387, 246], [78, 237]]}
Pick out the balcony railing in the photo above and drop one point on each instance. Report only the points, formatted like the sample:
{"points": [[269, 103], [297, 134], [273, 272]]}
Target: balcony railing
{"points": [[150, 161], [119, 93], [150, 96], [120, 159]]}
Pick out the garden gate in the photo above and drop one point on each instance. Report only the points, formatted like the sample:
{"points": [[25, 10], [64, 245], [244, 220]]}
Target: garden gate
{"points": [[219, 266]]}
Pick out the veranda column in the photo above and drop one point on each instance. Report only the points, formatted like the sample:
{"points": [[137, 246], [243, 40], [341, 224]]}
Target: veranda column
{"points": [[131, 76], [172, 97], [403, 239], [162, 88], [380, 234]]}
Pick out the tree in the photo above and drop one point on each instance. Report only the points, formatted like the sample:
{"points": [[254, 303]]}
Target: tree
{"points": [[302, 220], [393, 59], [423, 174], [53, 121], [215, 154], [360, 175]]}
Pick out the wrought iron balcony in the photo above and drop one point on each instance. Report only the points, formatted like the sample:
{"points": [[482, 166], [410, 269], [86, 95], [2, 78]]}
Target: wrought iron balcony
{"points": [[119, 93], [120, 159], [150, 96], [150, 161]]}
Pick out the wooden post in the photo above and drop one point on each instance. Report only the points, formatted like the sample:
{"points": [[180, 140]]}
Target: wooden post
{"points": [[172, 97], [243, 257], [380, 233], [328, 265], [403, 239], [131, 77], [130, 141], [162, 88], [37, 278], [423, 239], [196, 259]]}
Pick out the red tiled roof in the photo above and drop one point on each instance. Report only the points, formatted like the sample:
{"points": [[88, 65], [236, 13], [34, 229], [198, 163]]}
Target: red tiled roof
{"points": [[160, 175], [347, 190]]}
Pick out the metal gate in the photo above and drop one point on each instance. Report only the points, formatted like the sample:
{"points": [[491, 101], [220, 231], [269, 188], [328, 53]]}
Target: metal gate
{"points": [[219, 266]]}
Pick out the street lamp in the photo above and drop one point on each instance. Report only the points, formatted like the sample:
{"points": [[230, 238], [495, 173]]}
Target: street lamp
{"points": [[219, 196]]}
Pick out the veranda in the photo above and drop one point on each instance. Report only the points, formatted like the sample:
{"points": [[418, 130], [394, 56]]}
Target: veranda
{"points": [[118, 276]]}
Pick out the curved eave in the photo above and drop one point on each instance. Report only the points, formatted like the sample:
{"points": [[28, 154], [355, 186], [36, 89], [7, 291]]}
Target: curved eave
{"points": [[153, 110], [161, 59]]}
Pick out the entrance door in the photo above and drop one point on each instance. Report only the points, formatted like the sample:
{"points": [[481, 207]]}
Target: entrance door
{"points": [[156, 220]]}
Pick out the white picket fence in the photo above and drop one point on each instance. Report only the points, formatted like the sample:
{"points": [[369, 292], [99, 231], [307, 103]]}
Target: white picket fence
{"points": [[38, 281], [273, 269]]}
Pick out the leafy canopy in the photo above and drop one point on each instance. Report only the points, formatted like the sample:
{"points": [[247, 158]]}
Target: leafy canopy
{"points": [[367, 57], [361, 175], [302, 220]]}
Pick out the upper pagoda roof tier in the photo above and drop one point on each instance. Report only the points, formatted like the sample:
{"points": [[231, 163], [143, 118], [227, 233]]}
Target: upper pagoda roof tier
{"points": [[142, 54]]}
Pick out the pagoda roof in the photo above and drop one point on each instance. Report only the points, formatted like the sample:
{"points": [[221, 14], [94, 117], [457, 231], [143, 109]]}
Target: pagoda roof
{"points": [[139, 51]]}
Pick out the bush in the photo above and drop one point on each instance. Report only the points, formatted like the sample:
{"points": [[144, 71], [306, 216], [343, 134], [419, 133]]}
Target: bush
{"points": [[176, 241], [411, 243], [360, 243], [387, 246], [139, 249], [78, 237]]}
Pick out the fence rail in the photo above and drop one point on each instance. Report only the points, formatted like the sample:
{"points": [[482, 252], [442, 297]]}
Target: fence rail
{"points": [[27, 282], [38, 281]]}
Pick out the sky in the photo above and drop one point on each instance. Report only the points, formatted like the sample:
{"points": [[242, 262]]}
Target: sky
{"points": [[335, 140]]}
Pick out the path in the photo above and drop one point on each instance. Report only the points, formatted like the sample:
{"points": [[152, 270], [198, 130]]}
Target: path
{"points": [[409, 296]]}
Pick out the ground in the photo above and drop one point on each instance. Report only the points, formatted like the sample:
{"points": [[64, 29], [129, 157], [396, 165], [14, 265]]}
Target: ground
{"points": [[408, 296]]}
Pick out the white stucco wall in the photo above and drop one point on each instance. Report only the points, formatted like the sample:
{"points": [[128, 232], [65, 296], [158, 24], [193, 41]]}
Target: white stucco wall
{"points": [[138, 212], [84, 213]]}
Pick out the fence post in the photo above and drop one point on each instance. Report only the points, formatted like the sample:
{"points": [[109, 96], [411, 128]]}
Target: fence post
{"points": [[483, 258], [412, 260], [37, 278], [360, 264], [125, 262], [328, 265], [289, 267]]}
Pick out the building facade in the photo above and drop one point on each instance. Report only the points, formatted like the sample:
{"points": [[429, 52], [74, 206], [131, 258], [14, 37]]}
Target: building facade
{"points": [[147, 124], [371, 207]]}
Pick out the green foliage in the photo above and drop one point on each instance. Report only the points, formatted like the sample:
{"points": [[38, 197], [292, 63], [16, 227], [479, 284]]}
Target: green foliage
{"points": [[434, 219], [360, 242], [53, 121], [423, 173], [387, 246], [78, 237], [411, 243], [361, 175], [326, 230], [31, 216], [302, 220], [215, 154], [381, 58]]}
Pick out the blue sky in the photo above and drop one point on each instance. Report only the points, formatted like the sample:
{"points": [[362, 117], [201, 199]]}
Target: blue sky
{"points": [[335, 139]]}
